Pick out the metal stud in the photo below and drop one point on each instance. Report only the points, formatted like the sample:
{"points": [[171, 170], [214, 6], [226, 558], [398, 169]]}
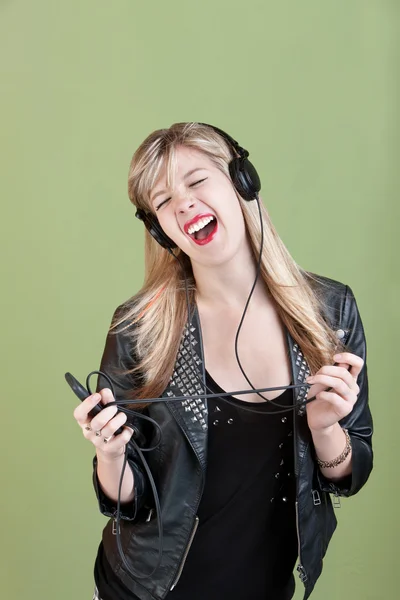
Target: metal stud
{"points": [[216, 422], [284, 499], [340, 333], [230, 421], [281, 445], [277, 475], [284, 419]]}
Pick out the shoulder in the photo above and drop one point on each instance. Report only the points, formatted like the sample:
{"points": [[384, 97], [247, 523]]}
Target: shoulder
{"points": [[125, 317], [119, 357], [121, 332], [334, 297], [339, 309], [325, 286]]}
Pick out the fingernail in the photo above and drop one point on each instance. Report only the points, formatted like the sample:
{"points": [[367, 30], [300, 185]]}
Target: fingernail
{"points": [[338, 356]]}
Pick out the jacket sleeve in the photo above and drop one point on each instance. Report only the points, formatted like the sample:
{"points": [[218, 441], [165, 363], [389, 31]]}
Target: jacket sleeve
{"points": [[359, 422], [117, 357]]}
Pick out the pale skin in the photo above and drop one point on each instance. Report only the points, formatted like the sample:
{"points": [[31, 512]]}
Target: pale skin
{"points": [[224, 272]]}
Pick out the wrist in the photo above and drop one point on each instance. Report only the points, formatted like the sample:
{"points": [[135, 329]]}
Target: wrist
{"points": [[327, 450], [109, 459], [325, 432]]}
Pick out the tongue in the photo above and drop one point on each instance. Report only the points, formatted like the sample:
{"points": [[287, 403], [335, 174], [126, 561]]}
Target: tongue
{"points": [[205, 232]]}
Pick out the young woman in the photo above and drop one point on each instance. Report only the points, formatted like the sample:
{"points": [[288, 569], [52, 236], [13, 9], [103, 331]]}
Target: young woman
{"points": [[243, 480]]}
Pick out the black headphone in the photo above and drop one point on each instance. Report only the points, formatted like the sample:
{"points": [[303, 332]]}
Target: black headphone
{"points": [[244, 178]]}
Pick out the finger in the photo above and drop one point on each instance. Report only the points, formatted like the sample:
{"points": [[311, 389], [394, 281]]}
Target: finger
{"points": [[106, 395], [356, 362], [114, 442], [338, 371], [111, 427], [100, 421], [354, 385], [82, 410], [340, 406], [335, 383]]}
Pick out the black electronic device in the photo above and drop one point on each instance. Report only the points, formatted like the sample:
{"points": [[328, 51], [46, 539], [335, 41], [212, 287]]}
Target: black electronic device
{"points": [[82, 393]]}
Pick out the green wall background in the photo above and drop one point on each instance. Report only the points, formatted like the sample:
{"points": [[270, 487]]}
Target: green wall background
{"points": [[312, 89]]}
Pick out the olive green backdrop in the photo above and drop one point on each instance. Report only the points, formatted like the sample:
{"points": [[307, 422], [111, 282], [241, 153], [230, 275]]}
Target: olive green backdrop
{"points": [[311, 88]]}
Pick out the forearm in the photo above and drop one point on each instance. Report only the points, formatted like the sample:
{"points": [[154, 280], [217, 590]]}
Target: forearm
{"points": [[109, 475], [328, 445]]}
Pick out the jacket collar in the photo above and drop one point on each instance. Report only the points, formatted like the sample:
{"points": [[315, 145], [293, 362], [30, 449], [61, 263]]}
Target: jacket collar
{"points": [[188, 379]]}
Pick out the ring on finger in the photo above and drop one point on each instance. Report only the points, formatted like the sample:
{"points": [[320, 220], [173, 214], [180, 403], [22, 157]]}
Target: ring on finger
{"points": [[88, 428], [107, 439], [98, 433]]}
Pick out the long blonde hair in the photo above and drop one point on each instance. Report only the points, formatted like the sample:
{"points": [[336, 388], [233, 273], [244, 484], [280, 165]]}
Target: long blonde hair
{"points": [[155, 317]]}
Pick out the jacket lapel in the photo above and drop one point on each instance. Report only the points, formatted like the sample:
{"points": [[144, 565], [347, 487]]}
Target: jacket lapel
{"points": [[300, 372], [187, 380]]}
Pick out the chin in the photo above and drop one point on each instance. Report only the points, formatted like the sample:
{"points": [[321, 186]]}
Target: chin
{"points": [[217, 257]]}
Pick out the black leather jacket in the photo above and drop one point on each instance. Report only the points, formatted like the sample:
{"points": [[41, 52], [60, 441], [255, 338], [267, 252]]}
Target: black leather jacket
{"points": [[178, 464]]}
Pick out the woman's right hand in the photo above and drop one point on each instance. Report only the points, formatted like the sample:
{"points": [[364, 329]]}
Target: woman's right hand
{"points": [[100, 430]]}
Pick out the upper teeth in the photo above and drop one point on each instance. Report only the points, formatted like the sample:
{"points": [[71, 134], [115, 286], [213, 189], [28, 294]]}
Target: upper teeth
{"points": [[200, 224]]}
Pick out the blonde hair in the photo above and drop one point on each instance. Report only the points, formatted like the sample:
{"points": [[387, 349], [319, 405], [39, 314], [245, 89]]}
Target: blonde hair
{"points": [[155, 317]]}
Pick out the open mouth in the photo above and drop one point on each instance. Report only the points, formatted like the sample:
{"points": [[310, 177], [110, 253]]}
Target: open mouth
{"points": [[203, 230]]}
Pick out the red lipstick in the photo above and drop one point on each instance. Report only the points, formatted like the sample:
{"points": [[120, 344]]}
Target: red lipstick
{"points": [[201, 241]]}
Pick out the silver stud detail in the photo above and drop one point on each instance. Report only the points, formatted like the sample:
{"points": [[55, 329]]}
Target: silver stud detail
{"points": [[217, 409], [284, 419], [281, 445], [184, 380], [277, 475], [216, 422], [230, 421], [284, 499], [340, 333]]}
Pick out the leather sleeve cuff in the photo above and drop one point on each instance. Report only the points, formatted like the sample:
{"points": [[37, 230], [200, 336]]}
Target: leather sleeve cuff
{"points": [[350, 484], [340, 487], [108, 507]]}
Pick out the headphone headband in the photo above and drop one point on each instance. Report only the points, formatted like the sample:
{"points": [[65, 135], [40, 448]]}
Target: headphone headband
{"points": [[233, 143]]}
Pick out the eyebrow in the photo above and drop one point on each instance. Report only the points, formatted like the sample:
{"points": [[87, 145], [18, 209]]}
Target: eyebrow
{"points": [[184, 177]]}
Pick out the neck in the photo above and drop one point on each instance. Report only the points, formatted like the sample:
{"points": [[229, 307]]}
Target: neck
{"points": [[229, 284]]}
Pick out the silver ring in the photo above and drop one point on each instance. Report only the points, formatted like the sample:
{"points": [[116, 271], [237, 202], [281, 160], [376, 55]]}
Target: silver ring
{"points": [[107, 439], [88, 428], [98, 433]]}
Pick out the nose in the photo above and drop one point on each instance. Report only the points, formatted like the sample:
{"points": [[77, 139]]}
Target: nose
{"points": [[184, 201]]}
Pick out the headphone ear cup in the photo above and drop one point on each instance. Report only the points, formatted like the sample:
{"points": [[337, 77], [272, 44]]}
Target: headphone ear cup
{"points": [[158, 234], [245, 178], [243, 174], [154, 228]]}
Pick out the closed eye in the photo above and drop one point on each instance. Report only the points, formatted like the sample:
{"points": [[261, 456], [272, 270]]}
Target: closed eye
{"points": [[199, 181], [191, 185]]}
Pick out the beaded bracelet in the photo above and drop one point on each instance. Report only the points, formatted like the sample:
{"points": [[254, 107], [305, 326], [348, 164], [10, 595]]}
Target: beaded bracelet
{"points": [[341, 458]]}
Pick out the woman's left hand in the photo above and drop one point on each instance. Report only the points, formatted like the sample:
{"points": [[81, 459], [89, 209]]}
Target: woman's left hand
{"points": [[330, 407]]}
